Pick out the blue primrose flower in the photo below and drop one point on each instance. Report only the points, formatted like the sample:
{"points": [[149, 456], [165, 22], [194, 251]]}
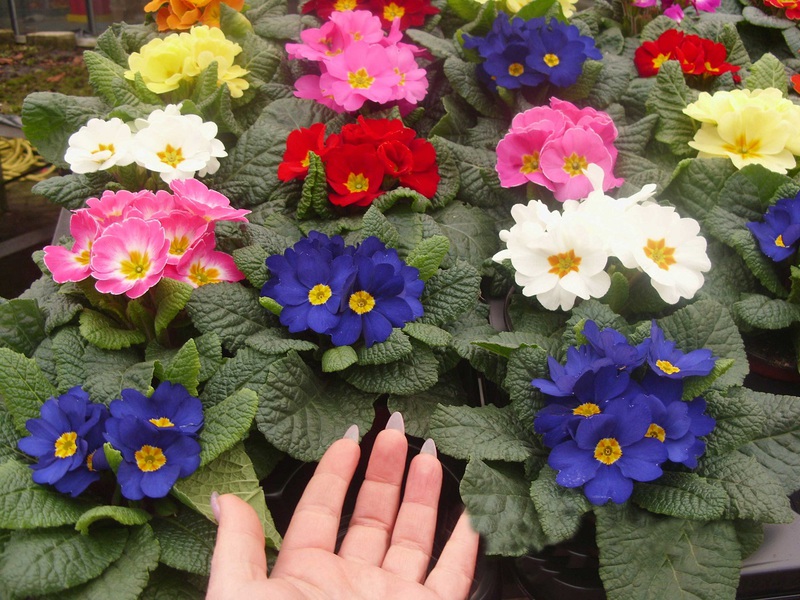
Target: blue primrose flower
{"points": [[311, 281], [557, 55], [171, 406], [667, 361], [610, 452], [562, 380], [779, 233], [385, 294], [152, 459], [511, 68], [64, 440], [613, 348]]}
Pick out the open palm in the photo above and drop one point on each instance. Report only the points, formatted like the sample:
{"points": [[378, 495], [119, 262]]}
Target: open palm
{"points": [[387, 548]]}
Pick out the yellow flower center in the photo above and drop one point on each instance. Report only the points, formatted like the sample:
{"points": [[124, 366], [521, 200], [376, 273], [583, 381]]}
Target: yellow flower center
{"points": [[162, 422], [149, 458], [362, 302], [564, 263], [83, 258], [667, 367], [356, 182], [551, 60], [171, 156], [516, 69], [660, 60], [306, 161], [360, 80], [65, 444], [660, 253], [103, 148], [179, 245], [319, 294], [608, 451], [656, 431], [530, 163], [345, 4], [90, 461], [392, 12], [575, 165], [586, 409], [137, 267], [779, 242], [402, 76], [744, 148], [200, 275]]}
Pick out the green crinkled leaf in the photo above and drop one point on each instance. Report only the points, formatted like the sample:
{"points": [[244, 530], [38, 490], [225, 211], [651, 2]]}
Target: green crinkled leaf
{"points": [[247, 369], [525, 365], [486, 433], [682, 495], [209, 348], [463, 77], [707, 324], [450, 293], [125, 578], [250, 261], [650, 557], [766, 313], [634, 137], [28, 505], [48, 119], [108, 372], [418, 408], [379, 226], [611, 82], [498, 500], [170, 297], [302, 414], [669, 97], [697, 386], [315, 190], [428, 334], [186, 540], [480, 359], [439, 47], [560, 510], [43, 561], [479, 182], [113, 456], [103, 332], [261, 57], [504, 342], [471, 232], [230, 310], [740, 419], [588, 79], [396, 347], [274, 340], [71, 191], [8, 436], [21, 325], [414, 373], [226, 424], [23, 386], [105, 76], [449, 181], [696, 185], [184, 367], [750, 535], [767, 72], [428, 255], [57, 308], [121, 514], [230, 473], [168, 584], [777, 446], [753, 491]]}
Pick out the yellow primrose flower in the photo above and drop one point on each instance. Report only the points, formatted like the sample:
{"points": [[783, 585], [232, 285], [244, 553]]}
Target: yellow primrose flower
{"points": [[163, 63], [209, 45], [751, 135]]}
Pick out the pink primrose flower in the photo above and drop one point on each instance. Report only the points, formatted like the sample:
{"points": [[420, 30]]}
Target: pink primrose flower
{"points": [[564, 161], [183, 230], [202, 264], [413, 84], [156, 206], [362, 72], [674, 12], [194, 196], [110, 207], [540, 117], [319, 43], [589, 118], [358, 26], [519, 155], [129, 257], [73, 264]]}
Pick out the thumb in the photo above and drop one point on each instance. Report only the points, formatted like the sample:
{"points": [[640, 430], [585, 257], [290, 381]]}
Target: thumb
{"points": [[239, 556]]}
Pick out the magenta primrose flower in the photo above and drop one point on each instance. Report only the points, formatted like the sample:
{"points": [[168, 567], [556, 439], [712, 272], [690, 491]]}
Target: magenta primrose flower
{"points": [[202, 264], [362, 72]]}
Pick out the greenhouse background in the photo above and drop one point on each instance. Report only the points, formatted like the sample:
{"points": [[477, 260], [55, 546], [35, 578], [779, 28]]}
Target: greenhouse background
{"points": [[87, 18]]}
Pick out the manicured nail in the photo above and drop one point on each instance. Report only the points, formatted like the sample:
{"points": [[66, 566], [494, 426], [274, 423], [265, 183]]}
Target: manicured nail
{"points": [[429, 447], [351, 433], [396, 422], [214, 502]]}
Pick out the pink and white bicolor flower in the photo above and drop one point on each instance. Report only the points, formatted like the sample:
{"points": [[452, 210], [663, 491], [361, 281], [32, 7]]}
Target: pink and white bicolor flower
{"points": [[202, 265], [194, 196], [129, 258], [73, 264]]}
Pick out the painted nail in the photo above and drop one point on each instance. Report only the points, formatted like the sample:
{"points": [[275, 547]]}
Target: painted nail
{"points": [[214, 502], [351, 433], [396, 422], [429, 447]]}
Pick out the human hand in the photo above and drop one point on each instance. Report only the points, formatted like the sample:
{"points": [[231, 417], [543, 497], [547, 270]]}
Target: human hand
{"points": [[385, 552]]}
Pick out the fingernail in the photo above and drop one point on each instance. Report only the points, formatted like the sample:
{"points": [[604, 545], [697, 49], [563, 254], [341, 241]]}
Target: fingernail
{"points": [[429, 447], [351, 433], [214, 502], [396, 422]]}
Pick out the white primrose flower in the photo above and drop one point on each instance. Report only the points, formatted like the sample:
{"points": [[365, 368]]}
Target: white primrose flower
{"points": [[177, 146], [99, 145], [530, 220], [559, 263], [670, 250]]}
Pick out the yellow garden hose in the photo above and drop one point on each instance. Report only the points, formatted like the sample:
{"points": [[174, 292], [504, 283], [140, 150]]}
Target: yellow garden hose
{"points": [[20, 161]]}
